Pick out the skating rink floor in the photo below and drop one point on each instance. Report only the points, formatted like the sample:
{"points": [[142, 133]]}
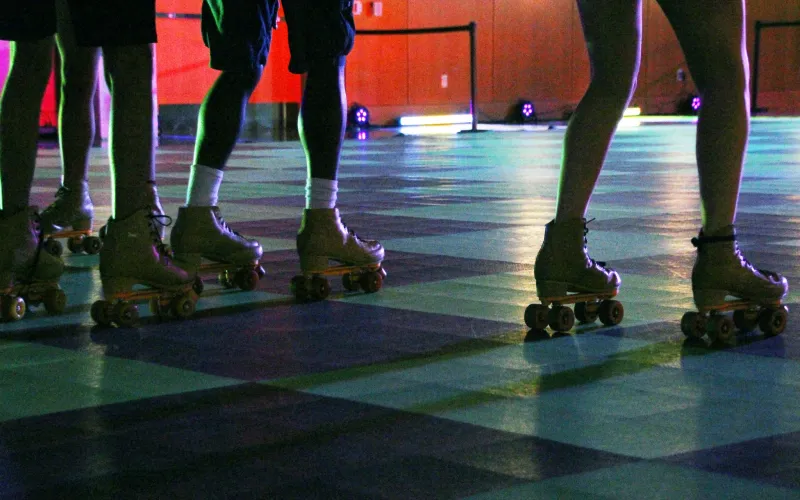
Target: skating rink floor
{"points": [[433, 387]]}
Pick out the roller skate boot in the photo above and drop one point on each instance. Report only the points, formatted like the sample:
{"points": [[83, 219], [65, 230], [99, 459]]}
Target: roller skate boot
{"points": [[70, 217], [28, 275], [204, 243], [723, 280], [565, 274], [136, 266], [152, 200], [323, 238]]}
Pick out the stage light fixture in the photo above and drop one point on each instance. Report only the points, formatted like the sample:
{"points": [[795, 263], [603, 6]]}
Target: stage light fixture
{"points": [[696, 103], [358, 116], [522, 112]]}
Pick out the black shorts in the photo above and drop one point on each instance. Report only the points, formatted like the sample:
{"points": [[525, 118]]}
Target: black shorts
{"points": [[27, 21], [319, 30], [97, 23], [238, 32], [104, 23]]}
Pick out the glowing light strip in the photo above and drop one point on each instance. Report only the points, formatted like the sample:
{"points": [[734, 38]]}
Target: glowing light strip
{"points": [[632, 112], [415, 121]]}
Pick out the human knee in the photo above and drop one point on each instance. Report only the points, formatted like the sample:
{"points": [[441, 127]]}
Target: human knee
{"points": [[616, 88], [31, 60], [243, 80], [128, 66], [724, 74]]}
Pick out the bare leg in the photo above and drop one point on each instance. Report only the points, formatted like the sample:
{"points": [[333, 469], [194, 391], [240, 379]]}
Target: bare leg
{"points": [[712, 35], [129, 72], [20, 103], [613, 33], [222, 116], [75, 115], [323, 116]]}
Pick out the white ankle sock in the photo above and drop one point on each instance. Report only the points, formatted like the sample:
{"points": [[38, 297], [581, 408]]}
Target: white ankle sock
{"points": [[203, 187], [321, 193]]}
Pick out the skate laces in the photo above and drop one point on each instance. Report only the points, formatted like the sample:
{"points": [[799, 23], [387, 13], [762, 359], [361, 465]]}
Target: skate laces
{"points": [[593, 262], [700, 241], [225, 225], [163, 220], [350, 231]]}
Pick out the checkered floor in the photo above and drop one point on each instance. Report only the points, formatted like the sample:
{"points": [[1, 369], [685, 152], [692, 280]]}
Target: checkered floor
{"points": [[432, 387]]}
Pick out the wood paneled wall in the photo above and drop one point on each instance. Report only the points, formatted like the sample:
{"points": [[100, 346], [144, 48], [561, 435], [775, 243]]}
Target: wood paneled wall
{"points": [[530, 49]]}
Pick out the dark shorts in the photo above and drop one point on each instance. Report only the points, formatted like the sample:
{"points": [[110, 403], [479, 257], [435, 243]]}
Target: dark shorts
{"points": [[238, 32], [319, 30], [103, 23], [97, 23], [27, 21]]}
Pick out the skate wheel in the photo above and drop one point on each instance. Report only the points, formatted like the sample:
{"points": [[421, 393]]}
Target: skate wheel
{"points": [[92, 245], [371, 282], [198, 286], [53, 247], [298, 288], [261, 272], [247, 279], [745, 320], [55, 301], [225, 280], [586, 312], [75, 244], [319, 288], [536, 316], [773, 321], [101, 312], [720, 328], [349, 282], [693, 325], [183, 307], [561, 318], [611, 312], [126, 314], [13, 308]]}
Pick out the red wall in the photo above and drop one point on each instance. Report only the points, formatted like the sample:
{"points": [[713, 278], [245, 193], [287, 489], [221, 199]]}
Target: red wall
{"points": [[182, 61]]}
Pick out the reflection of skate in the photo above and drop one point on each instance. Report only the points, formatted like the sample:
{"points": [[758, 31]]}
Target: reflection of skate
{"points": [[15, 302], [78, 240], [565, 274], [588, 307], [313, 285], [322, 238], [720, 272], [770, 319], [231, 275], [120, 308]]}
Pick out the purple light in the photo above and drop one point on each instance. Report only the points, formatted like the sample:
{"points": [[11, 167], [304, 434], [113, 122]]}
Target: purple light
{"points": [[695, 103], [527, 110], [362, 135], [362, 116]]}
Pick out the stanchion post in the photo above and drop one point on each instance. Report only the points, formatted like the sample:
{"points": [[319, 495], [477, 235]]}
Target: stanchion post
{"points": [[754, 83], [473, 74]]}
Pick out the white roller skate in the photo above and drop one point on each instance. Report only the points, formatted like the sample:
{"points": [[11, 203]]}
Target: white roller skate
{"points": [[70, 217], [723, 280], [323, 238], [565, 274], [203, 243], [29, 275], [136, 266]]}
